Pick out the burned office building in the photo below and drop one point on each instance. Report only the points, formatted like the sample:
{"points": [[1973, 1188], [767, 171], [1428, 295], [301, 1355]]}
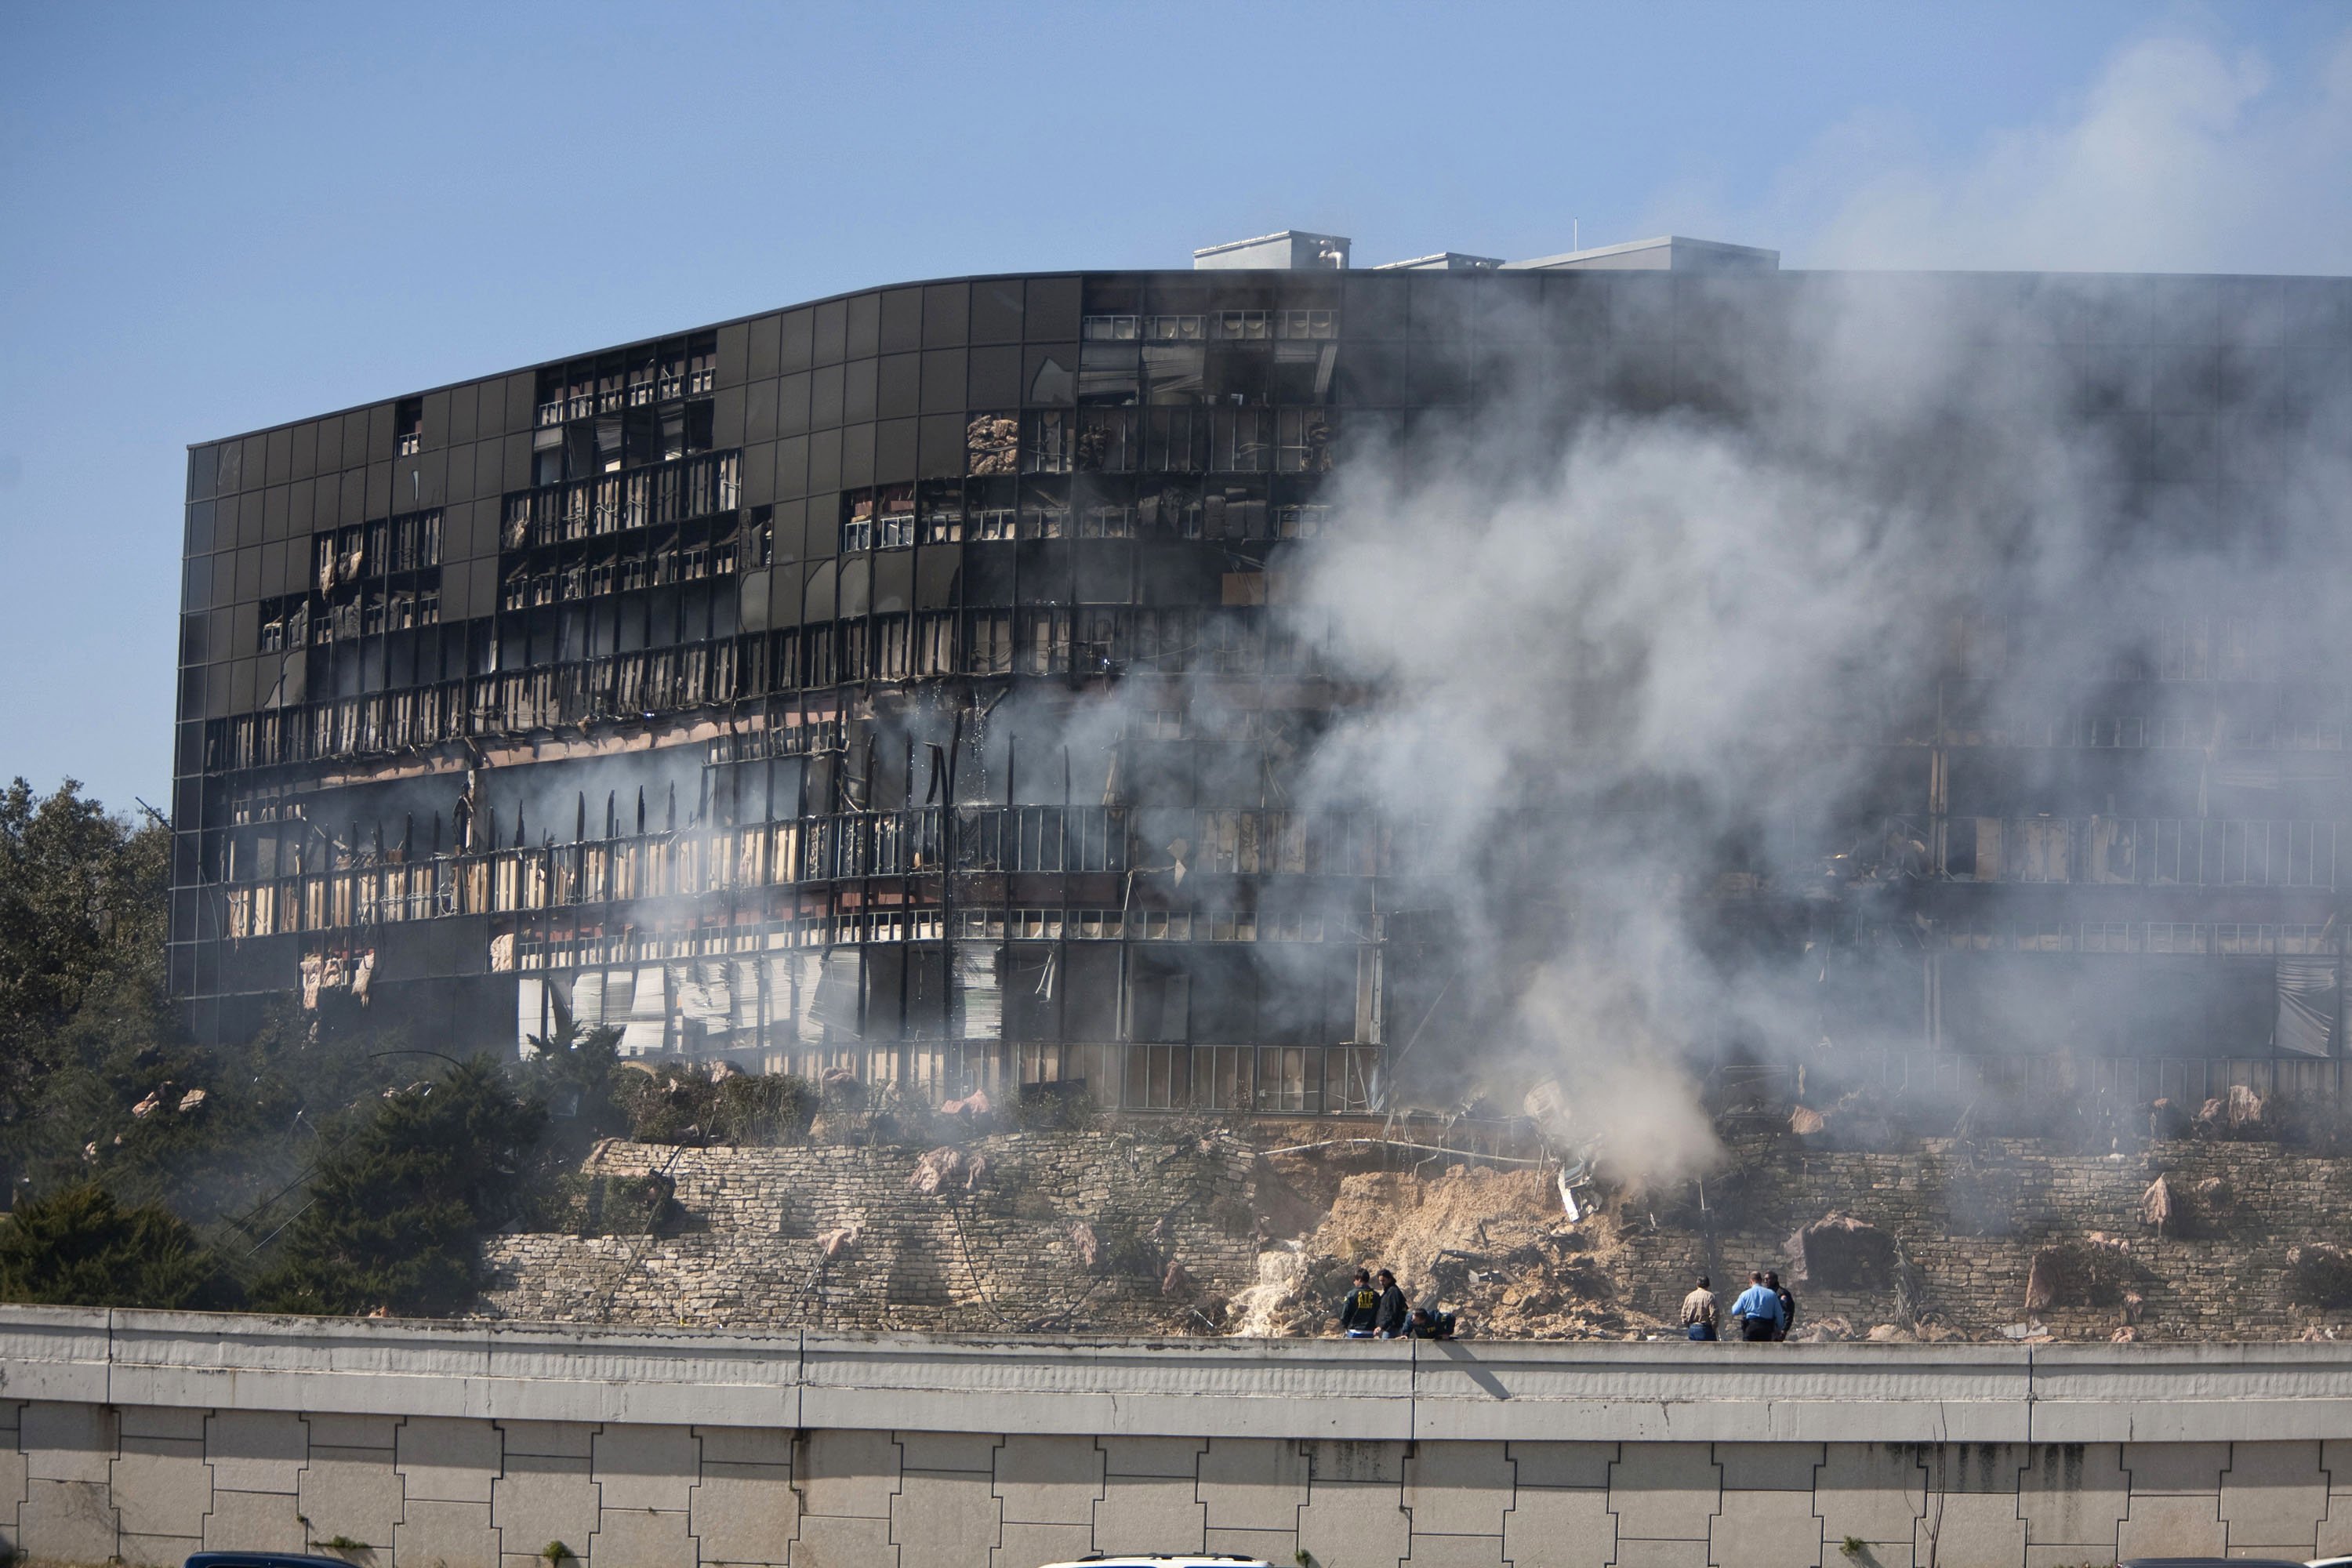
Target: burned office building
{"points": [[965, 683]]}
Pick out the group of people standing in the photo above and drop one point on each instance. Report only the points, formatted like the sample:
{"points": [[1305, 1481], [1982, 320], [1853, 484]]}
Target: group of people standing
{"points": [[1765, 1310], [1372, 1308]]}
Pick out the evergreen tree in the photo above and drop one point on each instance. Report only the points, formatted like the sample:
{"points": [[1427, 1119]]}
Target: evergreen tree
{"points": [[398, 1207], [76, 1246]]}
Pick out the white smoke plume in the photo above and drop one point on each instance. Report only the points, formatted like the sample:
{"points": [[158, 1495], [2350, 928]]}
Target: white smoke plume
{"points": [[1620, 659], [2183, 154]]}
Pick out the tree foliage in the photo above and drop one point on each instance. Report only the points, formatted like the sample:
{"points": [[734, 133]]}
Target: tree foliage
{"points": [[81, 943], [78, 1245], [398, 1209]]}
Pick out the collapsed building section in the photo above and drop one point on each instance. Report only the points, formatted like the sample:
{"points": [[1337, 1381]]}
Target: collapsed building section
{"points": [[914, 684]]}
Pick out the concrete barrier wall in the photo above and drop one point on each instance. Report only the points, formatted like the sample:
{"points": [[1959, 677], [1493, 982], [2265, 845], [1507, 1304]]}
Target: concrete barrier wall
{"points": [[144, 1436]]}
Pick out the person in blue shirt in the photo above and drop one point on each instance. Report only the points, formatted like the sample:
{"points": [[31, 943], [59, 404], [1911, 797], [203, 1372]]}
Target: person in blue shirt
{"points": [[1758, 1310]]}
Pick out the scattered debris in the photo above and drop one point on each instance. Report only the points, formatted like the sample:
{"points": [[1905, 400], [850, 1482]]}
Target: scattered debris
{"points": [[2086, 1273], [1856, 1120], [1823, 1330], [834, 1243], [2156, 1206], [1891, 1335], [1175, 1282], [2240, 1110], [937, 1169], [1087, 1245], [974, 1105], [192, 1100], [2134, 1305], [147, 1104], [2124, 1336]]}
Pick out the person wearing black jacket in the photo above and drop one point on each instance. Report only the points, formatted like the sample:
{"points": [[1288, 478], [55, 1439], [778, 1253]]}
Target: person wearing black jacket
{"points": [[1389, 1317], [1359, 1306], [1787, 1305]]}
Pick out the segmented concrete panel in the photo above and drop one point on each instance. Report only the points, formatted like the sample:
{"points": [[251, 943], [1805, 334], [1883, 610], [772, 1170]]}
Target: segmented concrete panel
{"points": [[464, 1465]]}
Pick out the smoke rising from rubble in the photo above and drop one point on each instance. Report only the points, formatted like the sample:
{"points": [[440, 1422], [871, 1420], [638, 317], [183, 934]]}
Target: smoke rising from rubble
{"points": [[1616, 659]]}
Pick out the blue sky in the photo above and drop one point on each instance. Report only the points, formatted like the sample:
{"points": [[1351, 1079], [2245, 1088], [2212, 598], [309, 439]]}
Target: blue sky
{"points": [[218, 217]]}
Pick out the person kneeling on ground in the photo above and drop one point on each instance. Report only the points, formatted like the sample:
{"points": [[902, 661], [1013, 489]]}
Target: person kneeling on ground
{"points": [[1758, 1310], [1389, 1317], [1359, 1306], [1426, 1324], [1700, 1315]]}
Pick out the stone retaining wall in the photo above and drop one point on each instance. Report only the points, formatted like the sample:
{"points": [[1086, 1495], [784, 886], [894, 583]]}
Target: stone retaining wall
{"points": [[1970, 1217], [1000, 1255]]}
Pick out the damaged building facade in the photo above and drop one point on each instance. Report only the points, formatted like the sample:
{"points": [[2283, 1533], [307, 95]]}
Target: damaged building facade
{"points": [[745, 690]]}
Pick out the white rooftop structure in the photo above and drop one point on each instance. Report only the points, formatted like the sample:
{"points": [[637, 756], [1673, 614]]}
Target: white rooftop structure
{"points": [[1292, 250]]}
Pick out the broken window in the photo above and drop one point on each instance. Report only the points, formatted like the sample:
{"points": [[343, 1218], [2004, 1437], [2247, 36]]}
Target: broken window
{"points": [[992, 444], [1168, 508], [990, 643], [1306, 324], [894, 517], [1176, 440], [1111, 329], [935, 644], [940, 505], [1241, 439], [1305, 521], [1107, 518], [891, 651], [1047, 446], [1174, 371], [640, 378], [1098, 644], [551, 397], [1303, 441], [1110, 374], [1106, 441], [1044, 642], [408, 425], [546, 457], [1045, 511]]}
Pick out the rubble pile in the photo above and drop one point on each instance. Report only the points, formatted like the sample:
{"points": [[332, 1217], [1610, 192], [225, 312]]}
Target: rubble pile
{"points": [[1495, 1246]]}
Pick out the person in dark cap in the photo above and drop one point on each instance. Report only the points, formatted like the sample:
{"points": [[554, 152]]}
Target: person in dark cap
{"points": [[1359, 1305]]}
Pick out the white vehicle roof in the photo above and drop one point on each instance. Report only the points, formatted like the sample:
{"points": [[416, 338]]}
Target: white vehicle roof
{"points": [[1151, 1560]]}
